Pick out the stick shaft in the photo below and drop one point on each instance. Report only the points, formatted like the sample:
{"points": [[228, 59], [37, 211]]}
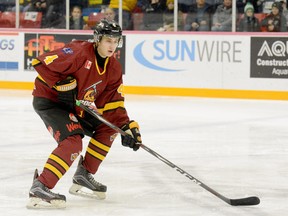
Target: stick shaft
{"points": [[243, 201]]}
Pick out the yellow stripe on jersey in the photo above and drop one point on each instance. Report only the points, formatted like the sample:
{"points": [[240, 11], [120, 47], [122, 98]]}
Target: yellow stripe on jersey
{"points": [[99, 145], [35, 61], [111, 106], [95, 154], [54, 170], [40, 77], [105, 65], [59, 161]]}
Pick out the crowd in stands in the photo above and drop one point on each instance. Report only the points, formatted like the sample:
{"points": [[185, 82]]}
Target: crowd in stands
{"points": [[158, 15]]}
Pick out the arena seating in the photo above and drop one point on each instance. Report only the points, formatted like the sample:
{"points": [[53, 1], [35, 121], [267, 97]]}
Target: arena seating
{"points": [[27, 20], [7, 19], [93, 18], [30, 20]]}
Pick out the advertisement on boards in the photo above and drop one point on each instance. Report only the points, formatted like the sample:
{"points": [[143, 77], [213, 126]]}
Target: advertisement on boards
{"points": [[187, 61], [37, 44], [269, 57], [9, 47]]}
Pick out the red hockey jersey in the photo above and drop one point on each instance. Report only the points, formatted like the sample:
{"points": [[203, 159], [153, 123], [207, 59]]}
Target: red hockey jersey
{"points": [[103, 86]]}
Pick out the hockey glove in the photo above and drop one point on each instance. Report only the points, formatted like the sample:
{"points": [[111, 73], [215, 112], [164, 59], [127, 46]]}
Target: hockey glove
{"points": [[67, 91], [133, 137]]}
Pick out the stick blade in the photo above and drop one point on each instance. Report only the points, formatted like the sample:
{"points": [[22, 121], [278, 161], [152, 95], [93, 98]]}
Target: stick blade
{"points": [[245, 201]]}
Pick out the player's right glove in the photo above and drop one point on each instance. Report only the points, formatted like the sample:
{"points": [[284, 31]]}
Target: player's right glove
{"points": [[133, 137], [67, 91]]}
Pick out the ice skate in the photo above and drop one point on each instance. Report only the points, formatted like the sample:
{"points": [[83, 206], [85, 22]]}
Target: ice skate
{"points": [[85, 185], [41, 197]]}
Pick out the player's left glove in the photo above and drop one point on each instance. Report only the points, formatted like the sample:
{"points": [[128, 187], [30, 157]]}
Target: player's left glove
{"points": [[133, 137], [67, 91]]}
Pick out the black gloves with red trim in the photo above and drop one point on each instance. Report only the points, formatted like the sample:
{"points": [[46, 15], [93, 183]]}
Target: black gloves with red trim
{"points": [[133, 137]]}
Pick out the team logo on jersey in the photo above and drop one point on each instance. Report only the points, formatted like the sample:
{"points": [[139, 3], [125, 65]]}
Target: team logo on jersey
{"points": [[91, 92], [88, 64], [74, 156], [49, 59], [72, 117], [67, 50], [90, 95]]}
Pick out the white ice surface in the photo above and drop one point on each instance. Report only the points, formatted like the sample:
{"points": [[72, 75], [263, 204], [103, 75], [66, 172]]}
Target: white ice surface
{"points": [[237, 147]]}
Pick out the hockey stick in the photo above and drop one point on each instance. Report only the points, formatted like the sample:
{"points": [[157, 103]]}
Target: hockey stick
{"points": [[234, 202]]}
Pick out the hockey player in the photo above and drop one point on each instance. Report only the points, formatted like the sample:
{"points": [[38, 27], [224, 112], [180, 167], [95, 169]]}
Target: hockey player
{"points": [[85, 71]]}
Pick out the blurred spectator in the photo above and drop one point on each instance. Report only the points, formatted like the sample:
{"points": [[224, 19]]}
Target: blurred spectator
{"points": [[26, 5], [199, 17], [222, 18], [7, 5], [168, 17], [53, 13], [81, 3], [109, 14], [214, 3], [240, 4], [249, 23], [153, 14], [275, 21], [285, 11], [184, 5], [265, 6], [76, 18], [106, 2], [127, 8], [255, 5], [106, 12], [38, 6], [141, 5]]}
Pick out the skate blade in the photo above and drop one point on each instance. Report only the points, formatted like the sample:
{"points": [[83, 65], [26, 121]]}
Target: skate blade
{"points": [[37, 203], [79, 190]]}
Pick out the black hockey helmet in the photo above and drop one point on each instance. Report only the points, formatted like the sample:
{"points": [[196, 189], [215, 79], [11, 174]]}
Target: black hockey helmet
{"points": [[109, 29]]}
